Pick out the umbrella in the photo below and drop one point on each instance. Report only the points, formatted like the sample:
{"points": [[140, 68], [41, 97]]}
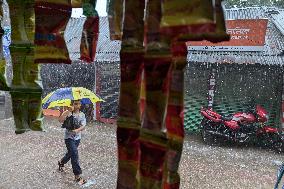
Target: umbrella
{"points": [[63, 97]]}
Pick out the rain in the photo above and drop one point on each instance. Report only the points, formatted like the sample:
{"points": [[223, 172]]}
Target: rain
{"points": [[240, 77]]}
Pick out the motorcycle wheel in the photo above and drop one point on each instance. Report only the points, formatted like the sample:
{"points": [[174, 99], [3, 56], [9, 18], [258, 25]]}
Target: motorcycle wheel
{"points": [[272, 141], [208, 138], [278, 145]]}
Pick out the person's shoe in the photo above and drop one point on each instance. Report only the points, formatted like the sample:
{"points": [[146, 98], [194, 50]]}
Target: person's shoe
{"points": [[80, 181], [60, 166]]}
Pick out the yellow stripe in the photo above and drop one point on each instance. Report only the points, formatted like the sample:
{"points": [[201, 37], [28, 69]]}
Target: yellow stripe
{"points": [[65, 102], [80, 92], [47, 97]]}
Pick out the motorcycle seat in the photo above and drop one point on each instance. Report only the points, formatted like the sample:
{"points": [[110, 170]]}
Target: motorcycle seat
{"points": [[227, 117]]}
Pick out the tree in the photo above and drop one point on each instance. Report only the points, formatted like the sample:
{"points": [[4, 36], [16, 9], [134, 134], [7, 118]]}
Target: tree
{"points": [[248, 3]]}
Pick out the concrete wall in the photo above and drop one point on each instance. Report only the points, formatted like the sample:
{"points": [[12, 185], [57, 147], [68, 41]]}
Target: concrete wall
{"points": [[5, 105]]}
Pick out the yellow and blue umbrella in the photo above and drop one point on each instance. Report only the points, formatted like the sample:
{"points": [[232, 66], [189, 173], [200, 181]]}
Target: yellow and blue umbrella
{"points": [[63, 97]]}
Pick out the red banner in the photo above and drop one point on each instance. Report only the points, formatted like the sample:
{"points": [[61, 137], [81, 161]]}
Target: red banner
{"points": [[246, 35]]}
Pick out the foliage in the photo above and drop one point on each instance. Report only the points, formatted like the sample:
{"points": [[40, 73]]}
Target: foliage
{"points": [[249, 3]]}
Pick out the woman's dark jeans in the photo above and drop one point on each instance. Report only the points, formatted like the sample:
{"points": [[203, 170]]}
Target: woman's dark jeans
{"points": [[72, 153]]}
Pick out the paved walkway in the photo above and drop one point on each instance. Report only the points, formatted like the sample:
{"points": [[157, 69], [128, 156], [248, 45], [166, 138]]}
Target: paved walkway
{"points": [[30, 161]]}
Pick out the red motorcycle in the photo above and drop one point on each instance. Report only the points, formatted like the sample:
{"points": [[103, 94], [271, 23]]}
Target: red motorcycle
{"points": [[242, 127]]}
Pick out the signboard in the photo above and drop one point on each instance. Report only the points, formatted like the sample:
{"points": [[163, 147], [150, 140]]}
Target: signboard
{"points": [[246, 35]]}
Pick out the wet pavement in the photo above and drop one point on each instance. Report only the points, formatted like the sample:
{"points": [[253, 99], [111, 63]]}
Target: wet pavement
{"points": [[30, 161]]}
